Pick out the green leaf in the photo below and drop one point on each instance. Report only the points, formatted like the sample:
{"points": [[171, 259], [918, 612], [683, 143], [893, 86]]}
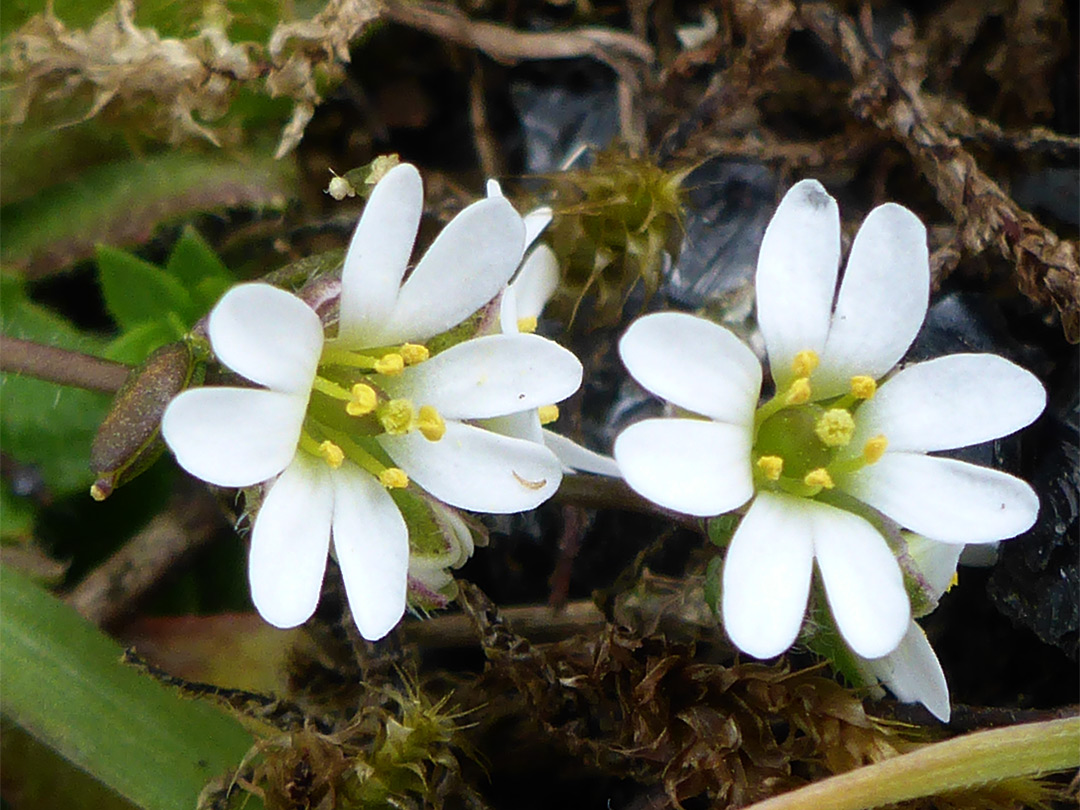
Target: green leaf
{"points": [[64, 683], [16, 516], [48, 426], [136, 344], [195, 265], [137, 291], [123, 202]]}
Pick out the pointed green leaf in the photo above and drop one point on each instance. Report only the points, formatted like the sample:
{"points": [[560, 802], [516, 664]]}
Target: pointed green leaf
{"points": [[195, 265], [137, 291]]}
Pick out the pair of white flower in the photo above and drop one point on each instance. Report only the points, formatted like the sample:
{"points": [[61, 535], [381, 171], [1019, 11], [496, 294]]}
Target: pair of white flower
{"points": [[830, 442], [340, 421]]}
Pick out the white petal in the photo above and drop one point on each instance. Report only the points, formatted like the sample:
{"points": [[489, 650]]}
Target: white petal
{"points": [[796, 275], [536, 282], [233, 437], [913, 673], [695, 364], [267, 335], [952, 401], [689, 465], [882, 300], [766, 579], [491, 376], [508, 312], [378, 254], [575, 457], [945, 499], [535, 222], [289, 543], [936, 561], [523, 425], [478, 470], [863, 583], [465, 267], [371, 543]]}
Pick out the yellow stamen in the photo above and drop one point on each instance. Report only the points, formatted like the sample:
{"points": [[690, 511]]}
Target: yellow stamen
{"points": [[874, 449], [953, 582], [527, 325], [364, 399], [331, 454], [835, 427], [548, 414], [98, 493], [771, 467], [430, 424], [804, 363], [392, 363], [394, 478], [799, 393], [819, 478], [413, 353], [396, 416], [863, 387]]}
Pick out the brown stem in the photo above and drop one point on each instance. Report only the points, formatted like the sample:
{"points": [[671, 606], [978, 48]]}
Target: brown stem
{"points": [[113, 589], [602, 492], [538, 623], [61, 366]]}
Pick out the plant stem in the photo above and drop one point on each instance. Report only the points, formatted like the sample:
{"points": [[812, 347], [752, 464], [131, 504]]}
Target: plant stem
{"points": [[975, 759], [604, 492], [61, 366]]}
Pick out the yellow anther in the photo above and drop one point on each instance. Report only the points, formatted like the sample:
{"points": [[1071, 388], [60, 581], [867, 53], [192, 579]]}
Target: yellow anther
{"points": [[874, 449], [863, 387], [799, 393], [331, 454], [396, 416], [392, 363], [364, 399], [835, 427], [527, 325], [804, 363], [413, 353], [430, 424], [99, 493], [548, 414], [819, 478], [394, 478], [953, 582], [771, 467]]}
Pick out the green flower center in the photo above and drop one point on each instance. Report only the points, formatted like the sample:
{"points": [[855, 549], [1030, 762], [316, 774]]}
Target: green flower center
{"points": [[350, 406], [800, 446]]}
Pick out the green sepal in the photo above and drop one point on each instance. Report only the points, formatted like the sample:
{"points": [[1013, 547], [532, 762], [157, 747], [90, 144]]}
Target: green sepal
{"points": [[711, 588], [822, 636], [722, 527]]}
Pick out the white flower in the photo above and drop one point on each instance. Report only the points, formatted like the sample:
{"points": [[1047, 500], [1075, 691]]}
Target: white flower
{"points": [[335, 417], [912, 671], [520, 308], [829, 433]]}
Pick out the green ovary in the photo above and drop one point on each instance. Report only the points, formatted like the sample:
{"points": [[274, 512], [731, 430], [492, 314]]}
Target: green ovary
{"points": [[790, 435]]}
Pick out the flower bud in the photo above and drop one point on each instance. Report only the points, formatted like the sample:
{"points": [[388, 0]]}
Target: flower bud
{"points": [[129, 439]]}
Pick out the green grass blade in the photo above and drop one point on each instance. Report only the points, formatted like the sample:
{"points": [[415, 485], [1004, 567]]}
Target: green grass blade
{"points": [[64, 683]]}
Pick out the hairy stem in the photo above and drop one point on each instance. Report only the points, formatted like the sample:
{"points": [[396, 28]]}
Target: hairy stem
{"points": [[61, 366]]}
